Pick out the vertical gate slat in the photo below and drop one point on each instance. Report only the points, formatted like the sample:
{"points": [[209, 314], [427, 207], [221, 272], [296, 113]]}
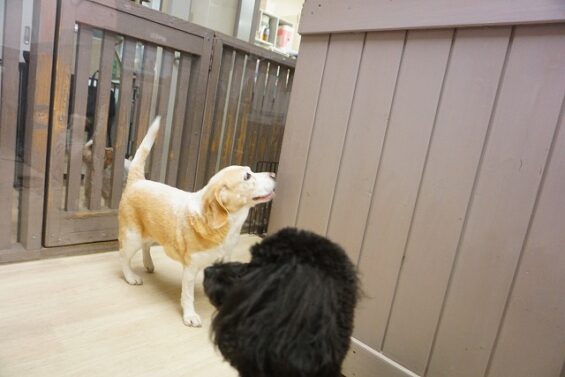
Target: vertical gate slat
{"points": [[179, 113], [123, 120], [9, 114], [101, 119], [265, 128], [145, 90], [284, 110], [245, 108], [60, 105], [192, 135], [37, 123], [279, 109], [78, 117], [220, 103], [162, 107], [209, 111], [253, 132], [228, 139]]}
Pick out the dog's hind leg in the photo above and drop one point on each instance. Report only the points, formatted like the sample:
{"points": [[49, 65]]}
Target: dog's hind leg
{"points": [[147, 261], [129, 246], [189, 316]]}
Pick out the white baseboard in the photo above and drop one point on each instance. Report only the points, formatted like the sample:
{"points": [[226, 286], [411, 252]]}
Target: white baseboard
{"points": [[363, 361]]}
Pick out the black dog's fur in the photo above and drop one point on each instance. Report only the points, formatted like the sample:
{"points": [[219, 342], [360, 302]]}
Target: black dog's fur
{"points": [[287, 313]]}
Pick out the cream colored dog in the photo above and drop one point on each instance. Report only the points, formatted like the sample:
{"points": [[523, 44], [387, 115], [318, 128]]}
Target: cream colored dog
{"points": [[194, 228]]}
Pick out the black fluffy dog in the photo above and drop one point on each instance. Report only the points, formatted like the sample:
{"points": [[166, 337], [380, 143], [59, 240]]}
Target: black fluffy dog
{"points": [[287, 313]]}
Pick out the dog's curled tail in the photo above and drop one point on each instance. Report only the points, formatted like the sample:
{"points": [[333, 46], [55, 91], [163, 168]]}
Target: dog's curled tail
{"points": [[137, 167]]}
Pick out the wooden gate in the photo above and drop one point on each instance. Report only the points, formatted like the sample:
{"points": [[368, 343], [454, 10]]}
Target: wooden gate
{"points": [[118, 65], [117, 51]]}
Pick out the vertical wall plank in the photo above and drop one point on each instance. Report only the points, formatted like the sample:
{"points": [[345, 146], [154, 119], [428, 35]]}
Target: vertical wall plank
{"points": [[164, 90], [503, 201], [370, 113], [300, 121], [463, 117], [123, 120], [78, 119], [9, 115], [145, 92], [531, 341], [37, 123], [332, 118], [101, 118], [412, 118]]}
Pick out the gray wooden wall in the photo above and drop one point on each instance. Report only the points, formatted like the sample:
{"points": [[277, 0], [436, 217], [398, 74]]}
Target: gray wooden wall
{"points": [[436, 157]]}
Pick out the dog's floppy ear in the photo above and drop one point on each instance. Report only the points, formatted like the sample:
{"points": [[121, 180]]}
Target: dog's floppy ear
{"points": [[210, 225], [215, 212]]}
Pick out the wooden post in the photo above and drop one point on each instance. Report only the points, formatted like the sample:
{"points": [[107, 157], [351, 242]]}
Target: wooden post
{"points": [[209, 107], [37, 123], [9, 116], [195, 115]]}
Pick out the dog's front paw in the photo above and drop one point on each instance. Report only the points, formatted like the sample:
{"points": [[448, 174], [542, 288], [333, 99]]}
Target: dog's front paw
{"points": [[192, 319], [133, 279]]}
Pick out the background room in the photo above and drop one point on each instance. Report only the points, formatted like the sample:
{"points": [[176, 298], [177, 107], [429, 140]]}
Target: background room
{"points": [[425, 138]]}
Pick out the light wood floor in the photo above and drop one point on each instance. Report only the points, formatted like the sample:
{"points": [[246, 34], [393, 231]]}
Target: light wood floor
{"points": [[76, 316]]}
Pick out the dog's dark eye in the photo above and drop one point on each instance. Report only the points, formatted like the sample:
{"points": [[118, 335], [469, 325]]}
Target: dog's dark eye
{"points": [[247, 176]]}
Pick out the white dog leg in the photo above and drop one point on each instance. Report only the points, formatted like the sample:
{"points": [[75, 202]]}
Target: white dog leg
{"points": [[147, 261], [189, 317], [223, 255], [130, 246]]}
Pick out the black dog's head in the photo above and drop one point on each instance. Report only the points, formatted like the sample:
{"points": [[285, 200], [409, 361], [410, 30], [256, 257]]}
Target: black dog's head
{"points": [[289, 312]]}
